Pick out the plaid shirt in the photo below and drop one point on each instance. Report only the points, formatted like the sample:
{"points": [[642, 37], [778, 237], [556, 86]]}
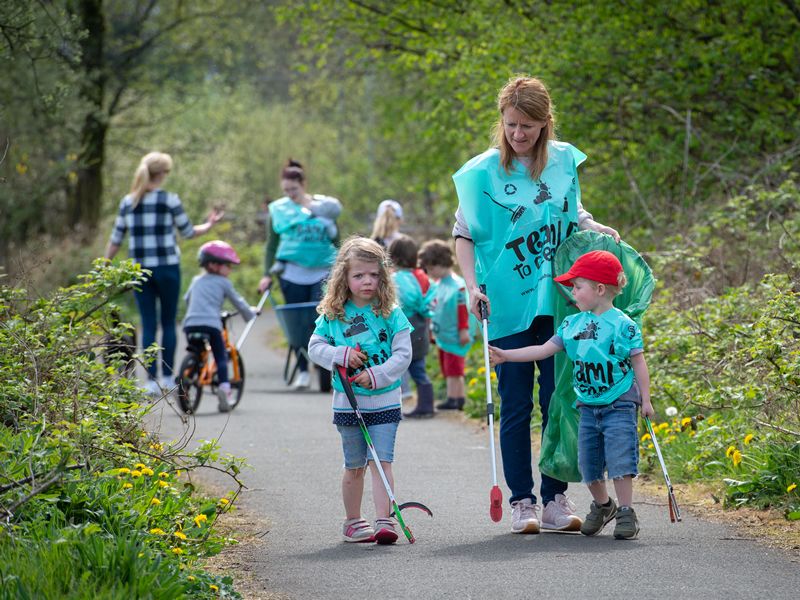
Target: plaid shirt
{"points": [[152, 227]]}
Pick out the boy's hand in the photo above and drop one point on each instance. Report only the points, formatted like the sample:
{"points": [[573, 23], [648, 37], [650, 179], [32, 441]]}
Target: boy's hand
{"points": [[496, 356], [356, 359], [463, 336], [363, 380], [647, 408]]}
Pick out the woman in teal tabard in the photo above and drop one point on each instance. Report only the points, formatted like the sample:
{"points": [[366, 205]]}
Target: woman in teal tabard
{"points": [[517, 202], [301, 245]]}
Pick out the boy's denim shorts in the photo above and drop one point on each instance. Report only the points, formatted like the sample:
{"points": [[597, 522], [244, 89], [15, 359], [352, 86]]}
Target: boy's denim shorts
{"points": [[355, 448], [608, 440]]}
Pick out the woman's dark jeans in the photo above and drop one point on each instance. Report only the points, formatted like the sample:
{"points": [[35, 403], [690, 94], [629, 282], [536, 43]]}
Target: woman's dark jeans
{"points": [[162, 289], [294, 293], [515, 384]]}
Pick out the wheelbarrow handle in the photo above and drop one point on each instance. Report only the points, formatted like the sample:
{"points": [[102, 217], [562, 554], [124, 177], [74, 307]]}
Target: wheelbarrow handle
{"points": [[250, 323]]}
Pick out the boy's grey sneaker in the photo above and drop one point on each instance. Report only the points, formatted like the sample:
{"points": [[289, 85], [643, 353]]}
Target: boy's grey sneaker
{"points": [[598, 517], [627, 527]]}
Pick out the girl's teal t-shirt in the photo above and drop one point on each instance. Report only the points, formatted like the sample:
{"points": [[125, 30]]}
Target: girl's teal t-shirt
{"points": [[599, 347], [372, 333]]}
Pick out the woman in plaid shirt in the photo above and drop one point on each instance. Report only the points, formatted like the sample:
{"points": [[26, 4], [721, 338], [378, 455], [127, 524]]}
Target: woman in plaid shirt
{"points": [[151, 216]]}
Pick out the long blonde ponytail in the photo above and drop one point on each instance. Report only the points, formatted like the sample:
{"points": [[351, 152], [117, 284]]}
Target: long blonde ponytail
{"points": [[151, 165]]}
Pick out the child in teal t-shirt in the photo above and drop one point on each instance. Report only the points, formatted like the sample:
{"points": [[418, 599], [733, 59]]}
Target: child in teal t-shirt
{"points": [[610, 379], [415, 295], [361, 327], [453, 328]]}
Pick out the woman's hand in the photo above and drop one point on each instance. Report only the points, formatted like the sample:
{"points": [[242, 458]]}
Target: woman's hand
{"points": [[476, 296], [363, 380], [215, 216], [264, 284], [600, 228]]}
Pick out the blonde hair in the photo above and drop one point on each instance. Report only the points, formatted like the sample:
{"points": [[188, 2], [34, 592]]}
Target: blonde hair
{"points": [[386, 223], [338, 292], [152, 165], [530, 97], [615, 290]]}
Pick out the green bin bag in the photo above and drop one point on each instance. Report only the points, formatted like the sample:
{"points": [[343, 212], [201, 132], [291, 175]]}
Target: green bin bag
{"points": [[559, 455]]}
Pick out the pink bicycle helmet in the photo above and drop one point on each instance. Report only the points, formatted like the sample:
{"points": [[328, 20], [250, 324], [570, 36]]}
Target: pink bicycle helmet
{"points": [[217, 251]]}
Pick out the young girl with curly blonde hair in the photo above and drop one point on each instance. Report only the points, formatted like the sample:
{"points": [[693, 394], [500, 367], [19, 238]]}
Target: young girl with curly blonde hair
{"points": [[361, 327]]}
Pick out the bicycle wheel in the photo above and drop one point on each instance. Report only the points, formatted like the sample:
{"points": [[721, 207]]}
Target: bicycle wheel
{"points": [[189, 389], [237, 387]]}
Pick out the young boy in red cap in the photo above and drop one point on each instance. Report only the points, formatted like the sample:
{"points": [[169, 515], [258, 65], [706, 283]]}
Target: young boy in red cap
{"points": [[611, 381]]}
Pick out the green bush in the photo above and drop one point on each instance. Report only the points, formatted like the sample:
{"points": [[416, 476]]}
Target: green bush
{"points": [[91, 503]]}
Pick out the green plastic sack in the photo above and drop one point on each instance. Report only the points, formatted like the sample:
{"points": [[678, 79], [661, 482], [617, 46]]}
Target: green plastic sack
{"points": [[559, 455]]}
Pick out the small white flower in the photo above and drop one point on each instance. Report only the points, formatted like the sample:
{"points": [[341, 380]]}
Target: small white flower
{"points": [[671, 411]]}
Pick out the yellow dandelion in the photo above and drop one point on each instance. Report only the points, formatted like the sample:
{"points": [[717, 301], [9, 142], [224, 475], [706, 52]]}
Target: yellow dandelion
{"points": [[147, 472], [22, 168], [748, 438], [191, 578], [127, 485], [493, 376], [157, 531], [136, 473], [650, 446], [645, 437], [729, 451], [163, 475], [123, 471], [790, 488], [736, 457], [224, 501], [180, 535], [214, 588], [686, 421], [473, 382], [200, 519], [72, 177], [481, 370], [692, 433], [177, 551], [163, 484], [670, 438], [139, 466], [155, 501]]}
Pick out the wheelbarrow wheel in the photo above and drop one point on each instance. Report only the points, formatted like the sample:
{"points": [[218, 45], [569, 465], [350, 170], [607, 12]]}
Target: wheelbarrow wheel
{"points": [[189, 389], [324, 380]]}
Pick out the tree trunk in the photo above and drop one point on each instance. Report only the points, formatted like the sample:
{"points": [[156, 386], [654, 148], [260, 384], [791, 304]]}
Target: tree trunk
{"points": [[85, 198]]}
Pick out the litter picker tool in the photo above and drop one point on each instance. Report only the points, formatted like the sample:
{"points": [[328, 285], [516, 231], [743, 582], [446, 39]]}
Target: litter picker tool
{"points": [[674, 511], [250, 323], [396, 508], [495, 495]]}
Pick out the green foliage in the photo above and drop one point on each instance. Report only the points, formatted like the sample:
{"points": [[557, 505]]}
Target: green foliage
{"points": [[723, 347], [91, 503]]}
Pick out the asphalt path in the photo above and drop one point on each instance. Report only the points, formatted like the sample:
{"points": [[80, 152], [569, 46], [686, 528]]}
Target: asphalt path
{"points": [[293, 494]]}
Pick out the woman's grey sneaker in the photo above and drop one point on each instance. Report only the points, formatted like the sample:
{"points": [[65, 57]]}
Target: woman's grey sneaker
{"points": [[627, 524], [524, 516], [598, 517], [559, 515]]}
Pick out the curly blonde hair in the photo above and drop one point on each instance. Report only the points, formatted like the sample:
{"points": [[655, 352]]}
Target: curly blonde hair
{"points": [[338, 292]]}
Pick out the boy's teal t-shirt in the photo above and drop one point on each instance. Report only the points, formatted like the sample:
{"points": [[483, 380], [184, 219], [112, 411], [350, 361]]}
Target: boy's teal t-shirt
{"points": [[599, 347], [410, 296], [372, 333], [450, 292]]}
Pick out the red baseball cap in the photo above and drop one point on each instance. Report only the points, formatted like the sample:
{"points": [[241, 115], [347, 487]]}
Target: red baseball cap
{"points": [[599, 265]]}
